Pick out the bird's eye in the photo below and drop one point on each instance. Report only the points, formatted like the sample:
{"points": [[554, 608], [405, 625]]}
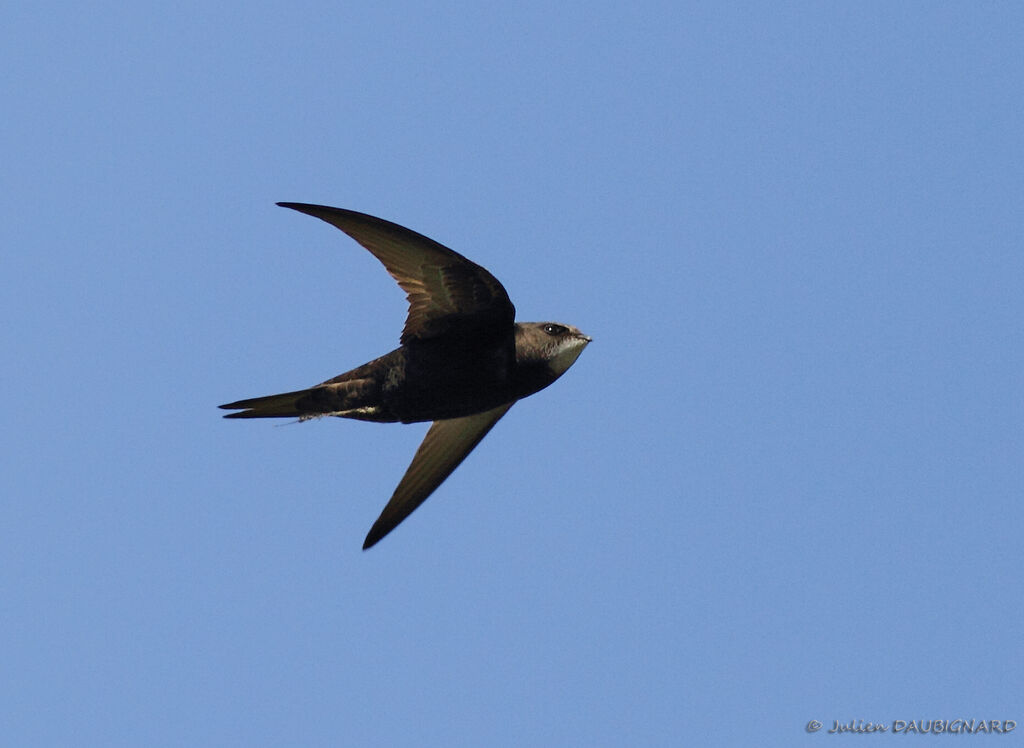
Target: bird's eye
{"points": [[554, 329]]}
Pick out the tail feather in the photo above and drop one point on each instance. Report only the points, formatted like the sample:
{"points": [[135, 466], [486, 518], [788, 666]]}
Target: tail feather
{"points": [[350, 398], [285, 405]]}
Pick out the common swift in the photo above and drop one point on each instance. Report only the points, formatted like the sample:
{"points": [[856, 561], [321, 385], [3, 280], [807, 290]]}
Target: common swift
{"points": [[462, 363]]}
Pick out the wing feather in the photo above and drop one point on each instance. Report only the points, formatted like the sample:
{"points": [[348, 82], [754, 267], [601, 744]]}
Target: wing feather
{"points": [[447, 293], [445, 446]]}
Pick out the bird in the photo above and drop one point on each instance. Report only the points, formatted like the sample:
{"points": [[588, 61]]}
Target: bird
{"points": [[462, 362]]}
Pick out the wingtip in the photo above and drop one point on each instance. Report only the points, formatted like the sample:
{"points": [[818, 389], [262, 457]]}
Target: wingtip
{"points": [[310, 208], [376, 534], [323, 212]]}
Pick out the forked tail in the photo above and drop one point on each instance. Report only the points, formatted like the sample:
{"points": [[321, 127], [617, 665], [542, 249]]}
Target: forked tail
{"points": [[349, 398], [286, 405]]}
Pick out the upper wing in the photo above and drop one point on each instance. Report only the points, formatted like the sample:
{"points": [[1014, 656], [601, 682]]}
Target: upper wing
{"points": [[445, 446], [447, 293]]}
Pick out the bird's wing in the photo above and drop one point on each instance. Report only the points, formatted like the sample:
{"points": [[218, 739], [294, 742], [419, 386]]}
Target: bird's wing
{"points": [[448, 294], [445, 446]]}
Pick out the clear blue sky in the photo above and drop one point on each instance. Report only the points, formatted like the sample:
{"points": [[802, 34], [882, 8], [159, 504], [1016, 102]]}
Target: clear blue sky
{"points": [[784, 483]]}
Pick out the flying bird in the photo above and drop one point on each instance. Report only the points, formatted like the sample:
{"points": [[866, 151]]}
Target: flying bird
{"points": [[462, 363]]}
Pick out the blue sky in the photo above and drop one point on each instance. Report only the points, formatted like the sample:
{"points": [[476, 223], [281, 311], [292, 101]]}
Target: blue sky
{"points": [[783, 484]]}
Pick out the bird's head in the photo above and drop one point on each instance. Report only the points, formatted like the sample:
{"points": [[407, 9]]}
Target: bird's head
{"points": [[553, 343]]}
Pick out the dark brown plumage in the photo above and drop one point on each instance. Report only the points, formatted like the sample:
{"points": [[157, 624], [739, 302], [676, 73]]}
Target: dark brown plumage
{"points": [[462, 363]]}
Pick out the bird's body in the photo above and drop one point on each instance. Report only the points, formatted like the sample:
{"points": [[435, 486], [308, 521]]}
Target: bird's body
{"points": [[462, 364]]}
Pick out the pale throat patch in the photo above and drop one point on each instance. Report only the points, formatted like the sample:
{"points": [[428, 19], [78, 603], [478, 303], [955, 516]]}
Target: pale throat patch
{"points": [[566, 356]]}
